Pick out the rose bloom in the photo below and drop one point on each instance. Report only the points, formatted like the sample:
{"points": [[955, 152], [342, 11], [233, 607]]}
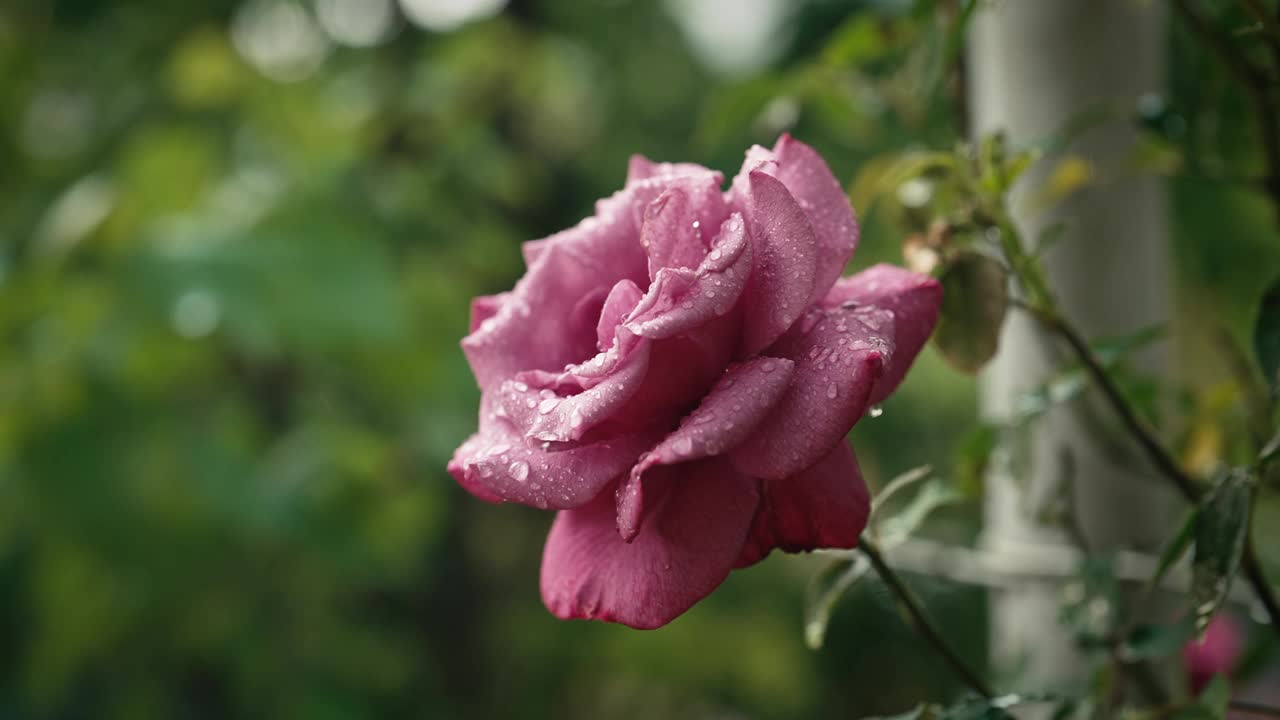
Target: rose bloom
{"points": [[1214, 653], [676, 376]]}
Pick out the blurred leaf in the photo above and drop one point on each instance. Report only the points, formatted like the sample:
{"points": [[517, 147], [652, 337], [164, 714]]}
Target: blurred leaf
{"points": [[1070, 175], [898, 484], [975, 296], [971, 708], [1067, 385], [1175, 548], [972, 457], [857, 41], [825, 589], [1220, 534], [900, 526], [1211, 704], [1149, 641], [1266, 335]]}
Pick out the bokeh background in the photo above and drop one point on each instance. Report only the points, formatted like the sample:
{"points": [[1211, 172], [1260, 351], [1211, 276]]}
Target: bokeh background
{"points": [[237, 245]]}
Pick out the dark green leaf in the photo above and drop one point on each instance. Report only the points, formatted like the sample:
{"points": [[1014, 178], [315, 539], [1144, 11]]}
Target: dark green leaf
{"points": [[975, 296], [1154, 640], [1266, 335], [1220, 535], [1176, 548]]}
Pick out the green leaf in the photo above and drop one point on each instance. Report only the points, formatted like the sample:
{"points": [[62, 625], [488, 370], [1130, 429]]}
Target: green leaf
{"points": [[1266, 335], [903, 524], [1157, 640], [975, 297], [1217, 696], [972, 456], [1212, 703], [1175, 549], [825, 589], [897, 485], [1220, 535]]}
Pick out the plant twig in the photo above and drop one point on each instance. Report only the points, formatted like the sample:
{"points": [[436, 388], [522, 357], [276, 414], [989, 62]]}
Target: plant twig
{"points": [[921, 621], [1152, 447]]}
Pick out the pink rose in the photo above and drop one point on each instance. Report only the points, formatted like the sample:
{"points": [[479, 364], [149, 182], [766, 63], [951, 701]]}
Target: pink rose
{"points": [[676, 376], [1214, 653]]}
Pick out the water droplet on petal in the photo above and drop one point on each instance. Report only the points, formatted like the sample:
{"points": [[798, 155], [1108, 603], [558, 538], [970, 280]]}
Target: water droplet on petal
{"points": [[519, 470], [875, 411], [548, 405], [521, 387], [531, 403], [832, 391], [683, 445], [575, 420]]}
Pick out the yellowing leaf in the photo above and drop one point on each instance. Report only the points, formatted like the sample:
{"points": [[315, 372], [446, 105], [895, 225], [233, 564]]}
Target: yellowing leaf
{"points": [[1070, 175]]}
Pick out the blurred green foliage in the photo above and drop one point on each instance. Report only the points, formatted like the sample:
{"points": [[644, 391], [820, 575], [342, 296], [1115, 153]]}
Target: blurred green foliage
{"points": [[234, 268]]}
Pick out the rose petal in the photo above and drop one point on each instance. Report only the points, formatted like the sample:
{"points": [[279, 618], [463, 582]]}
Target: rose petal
{"points": [[726, 416], [680, 300], [825, 203], [531, 250], [475, 445], [496, 463], [582, 263], [563, 407], [914, 300], [569, 276], [757, 158], [784, 251], [622, 300], [694, 535], [840, 355], [485, 307], [642, 168], [823, 506], [679, 222]]}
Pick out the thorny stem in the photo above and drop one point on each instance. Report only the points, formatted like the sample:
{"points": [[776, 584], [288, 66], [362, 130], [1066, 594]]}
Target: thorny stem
{"points": [[915, 611]]}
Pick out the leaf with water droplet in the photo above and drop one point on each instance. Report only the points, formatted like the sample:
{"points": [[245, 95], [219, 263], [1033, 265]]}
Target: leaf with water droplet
{"points": [[975, 294], [1220, 535]]}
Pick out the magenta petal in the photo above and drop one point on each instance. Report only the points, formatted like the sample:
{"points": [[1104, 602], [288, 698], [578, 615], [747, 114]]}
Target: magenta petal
{"points": [[562, 407], [680, 300], [914, 300], [823, 506], [475, 445], [485, 307], [621, 301], [531, 250], [810, 181], [784, 251], [694, 535], [567, 282], [840, 355], [642, 168], [678, 223], [727, 415], [497, 464]]}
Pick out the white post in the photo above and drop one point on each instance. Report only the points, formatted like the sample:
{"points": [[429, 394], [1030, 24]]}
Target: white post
{"points": [[1035, 66]]}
